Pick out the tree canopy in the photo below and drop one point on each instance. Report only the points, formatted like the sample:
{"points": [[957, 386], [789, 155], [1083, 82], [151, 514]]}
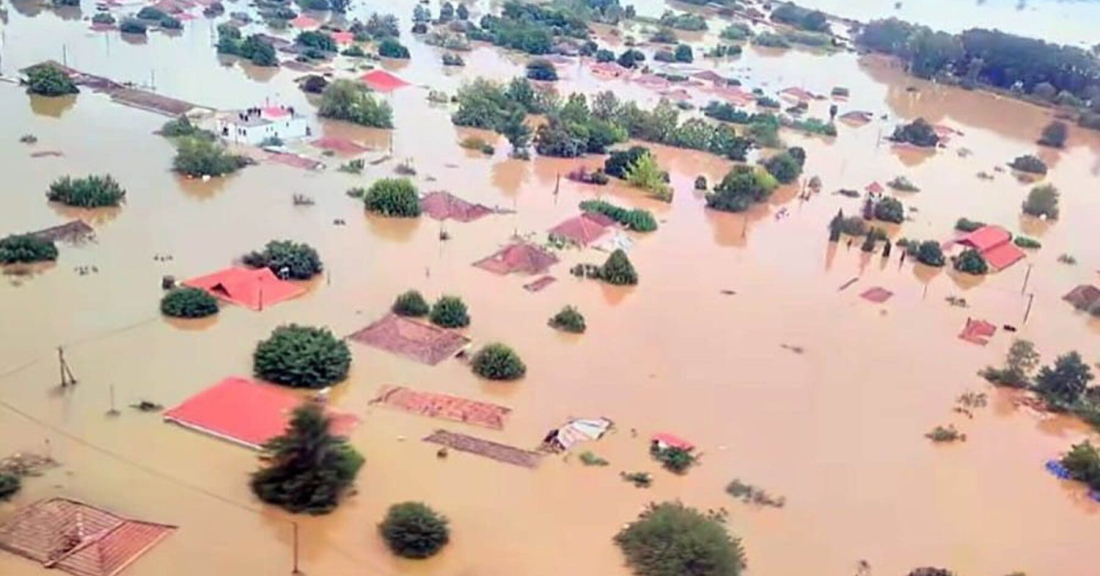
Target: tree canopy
{"points": [[449, 312], [392, 197], [918, 133], [618, 270], [670, 539], [1042, 201], [288, 259], [569, 319], [198, 156], [351, 101], [1054, 134], [301, 357], [741, 188], [187, 302], [413, 530], [970, 261], [1063, 384], [410, 303], [26, 249], [49, 80], [88, 192], [496, 361]]}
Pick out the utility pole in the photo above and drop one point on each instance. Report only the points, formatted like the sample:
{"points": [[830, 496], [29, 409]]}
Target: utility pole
{"points": [[67, 378], [1026, 278], [296, 570], [1027, 313], [113, 411]]}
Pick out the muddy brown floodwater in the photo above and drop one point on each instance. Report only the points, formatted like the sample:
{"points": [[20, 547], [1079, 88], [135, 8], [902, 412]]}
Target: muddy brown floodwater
{"points": [[837, 430]]}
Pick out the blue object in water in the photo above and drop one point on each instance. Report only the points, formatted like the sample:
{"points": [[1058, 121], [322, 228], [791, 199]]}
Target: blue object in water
{"points": [[1095, 495], [1055, 467]]}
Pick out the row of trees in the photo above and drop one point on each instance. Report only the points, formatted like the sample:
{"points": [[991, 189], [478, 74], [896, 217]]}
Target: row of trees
{"points": [[530, 28], [254, 48], [447, 312]]}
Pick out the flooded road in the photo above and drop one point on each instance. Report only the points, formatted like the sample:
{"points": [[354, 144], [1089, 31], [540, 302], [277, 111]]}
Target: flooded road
{"points": [[838, 429]]}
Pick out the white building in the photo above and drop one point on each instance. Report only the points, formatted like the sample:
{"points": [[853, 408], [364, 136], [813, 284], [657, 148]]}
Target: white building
{"points": [[254, 126]]}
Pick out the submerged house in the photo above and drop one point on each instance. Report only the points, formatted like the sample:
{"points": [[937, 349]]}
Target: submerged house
{"points": [[254, 126], [994, 244]]}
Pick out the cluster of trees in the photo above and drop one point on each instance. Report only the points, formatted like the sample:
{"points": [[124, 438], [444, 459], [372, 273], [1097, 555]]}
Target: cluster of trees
{"points": [[410, 303], [672, 458], [49, 80], [449, 312], [918, 133], [308, 468], [573, 130], [88, 192], [503, 108], [1061, 74], [530, 28], [671, 539], [602, 11], [569, 319], [390, 197], [889, 210], [340, 6], [1064, 385], [683, 21], [770, 40], [158, 16], [182, 127], [133, 26], [638, 220], [315, 40], [682, 53], [737, 32], [377, 27], [26, 249], [351, 101], [187, 302], [1042, 201], [742, 187], [496, 361], [287, 259], [254, 48], [803, 18], [786, 166], [199, 156], [301, 357], [763, 128]]}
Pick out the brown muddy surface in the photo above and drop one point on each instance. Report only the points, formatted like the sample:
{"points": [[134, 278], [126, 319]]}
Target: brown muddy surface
{"points": [[837, 430]]}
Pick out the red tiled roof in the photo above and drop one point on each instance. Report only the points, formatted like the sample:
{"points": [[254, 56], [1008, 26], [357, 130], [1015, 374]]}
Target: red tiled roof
{"points": [[247, 287], [245, 412], [875, 188], [710, 76], [78, 538], [985, 238], [421, 342], [977, 331], [442, 205], [518, 257], [343, 37], [304, 21], [382, 81], [672, 440], [1003, 255], [584, 229], [1083, 297], [798, 93], [444, 406]]}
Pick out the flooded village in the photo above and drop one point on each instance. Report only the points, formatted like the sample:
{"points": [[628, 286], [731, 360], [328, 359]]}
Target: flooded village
{"points": [[487, 288]]}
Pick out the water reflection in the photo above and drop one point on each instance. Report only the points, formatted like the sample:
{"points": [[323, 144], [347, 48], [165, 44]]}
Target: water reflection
{"points": [[52, 106], [392, 229]]}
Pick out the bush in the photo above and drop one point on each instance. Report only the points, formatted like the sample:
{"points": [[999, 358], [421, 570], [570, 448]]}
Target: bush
{"points": [[9, 485], [450, 59], [392, 197], [103, 18], [770, 40], [967, 225], [316, 39], [351, 101], [890, 210], [88, 192], [618, 162], [307, 468], [49, 80], [918, 133], [740, 188], [902, 184], [1054, 134], [737, 31], [569, 319], [258, 51], [496, 361], [1083, 464], [664, 35], [286, 258], [1025, 242], [637, 220], [132, 26], [1030, 164], [971, 262], [25, 249], [410, 303], [541, 69], [449, 312], [647, 175], [1042, 201], [1063, 384], [182, 127], [673, 459], [683, 54], [313, 84], [618, 270], [202, 157], [301, 357], [171, 23], [671, 539], [188, 302], [784, 167], [413, 530], [391, 48], [930, 253]]}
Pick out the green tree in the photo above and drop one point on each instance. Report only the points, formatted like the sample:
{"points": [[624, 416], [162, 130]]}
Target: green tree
{"points": [[352, 102], [449, 312], [517, 132], [197, 157], [301, 357], [410, 303], [413, 530], [647, 175], [541, 69], [317, 40], [1054, 134], [1042, 201], [1020, 364], [259, 51], [297, 260], [784, 166], [569, 319], [1063, 383], [339, 6], [89, 192], [26, 249], [307, 468], [392, 197], [890, 210], [49, 80], [496, 361], [670, 539], [918, 133], [9, 485], [971, 262], [187, 302], [930, 253], [683, 54], [618, 270], [391, 48], [463, 13], [1029, 163], [618, 162], [740, 188], [1083, 464]]}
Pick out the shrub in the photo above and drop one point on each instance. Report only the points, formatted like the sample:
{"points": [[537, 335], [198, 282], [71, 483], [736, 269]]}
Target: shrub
{"points": [[104, 18], [392, 197], [1030, 164], [410, 303], [918, 133], [647, 175], [496, 361], [1042, 201], [351, 101], [618, 270], [770, 40], [737, 31], [971, 262], [203, 157], [967, 225], [569, 319], [354, 52], [9, 485], [930, 253], [449, 312], [683, 54], [88, 192], [1025, 242], [619, 161], [301, 357], [1083, 464], [673, 459], [890, 210], [670, 539], [637, 220], [171, 23], [313, 84], [785, 167], [286, 258], [132, 26], [413, 530], [902, 184], [25, 249], [589, 458], [451, 59], [307, 468], [664, 35], [1054, 134], [182, 127], [49, 80], [1062, 384], [188, 302], [541, 69], [391, 48], [317, 40]]}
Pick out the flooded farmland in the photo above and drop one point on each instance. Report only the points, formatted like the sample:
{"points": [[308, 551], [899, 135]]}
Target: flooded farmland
{"points": [[736, 337]]}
